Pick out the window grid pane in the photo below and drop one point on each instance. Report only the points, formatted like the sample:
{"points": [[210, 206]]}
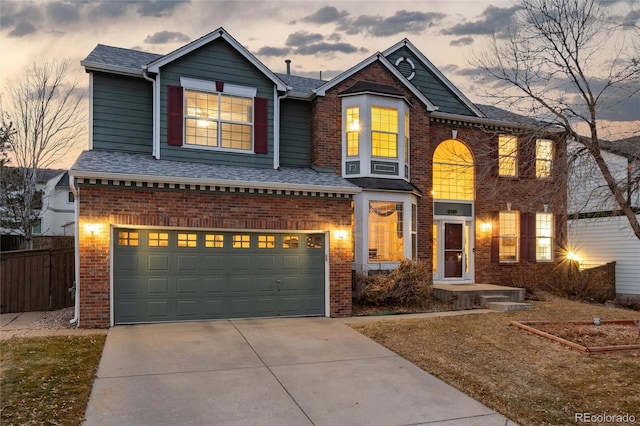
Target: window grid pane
{"points": [[241, 241], [290, 241], [544, 236], [187, 240], [386, 239], [384, 132], [453, 172], [509, 236], [508, 151], [266, 241], [158, 239], [126, 238], [353, 131], [544, 153], [219, 121], [214, 241]]}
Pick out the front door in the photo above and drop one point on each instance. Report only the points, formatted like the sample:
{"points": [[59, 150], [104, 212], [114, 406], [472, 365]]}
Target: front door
{"points": [[454, 253]]}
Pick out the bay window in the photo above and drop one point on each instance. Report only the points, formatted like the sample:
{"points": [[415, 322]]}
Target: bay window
{"points": [[386, 231], [384, 132]]}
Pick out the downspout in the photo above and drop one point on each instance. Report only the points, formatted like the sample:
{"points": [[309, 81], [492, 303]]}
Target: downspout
{"points": [[156, 109], [276, 126], [76, 225]]}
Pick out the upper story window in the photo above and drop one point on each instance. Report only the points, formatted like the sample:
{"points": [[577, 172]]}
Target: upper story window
{"points": [[217, 115], [384, 132], [218, 120], [544, 155], [375, 136], [453, 171], [507, 155]]}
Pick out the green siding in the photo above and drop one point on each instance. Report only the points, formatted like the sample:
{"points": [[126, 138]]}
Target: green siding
{"points": [[122, 113], [216, 61], [295, 133], [431, 86]]}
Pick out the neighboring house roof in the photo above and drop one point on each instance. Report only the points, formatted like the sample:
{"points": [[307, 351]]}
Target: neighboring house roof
{"points": [[628, 147], [63, 182], [143, 167]]}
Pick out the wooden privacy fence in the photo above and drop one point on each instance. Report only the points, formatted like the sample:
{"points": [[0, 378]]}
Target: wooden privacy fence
{"points": [[36, 280]]}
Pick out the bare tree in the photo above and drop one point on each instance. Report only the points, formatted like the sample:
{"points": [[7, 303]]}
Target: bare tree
{"points": [[566, 62], [47, 112]]}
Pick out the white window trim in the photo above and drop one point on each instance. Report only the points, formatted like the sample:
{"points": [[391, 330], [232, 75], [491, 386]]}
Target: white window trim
{"points": [[365, 156], [229, 89], [361, 211], [210, 86]]}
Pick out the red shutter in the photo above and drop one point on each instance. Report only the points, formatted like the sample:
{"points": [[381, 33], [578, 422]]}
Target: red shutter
{"points": [[527, 160], [260, 126], [495, 236], [560, 241], [174, 115], [528, 237]]}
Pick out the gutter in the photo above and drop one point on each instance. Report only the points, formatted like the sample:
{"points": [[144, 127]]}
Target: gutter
{"points": [[76, 194], [276, 126], [155, 151], [488, 121]]}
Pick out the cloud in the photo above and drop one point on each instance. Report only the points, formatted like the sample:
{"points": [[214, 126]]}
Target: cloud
{"points": [[164, 37], [402, 22], [632, 19], [22, 28], [326, 15], [159, 8], [302, 38], [108, 9], [464, 41], [324, 47], [273, 51], [494, 20], [62, 13]]}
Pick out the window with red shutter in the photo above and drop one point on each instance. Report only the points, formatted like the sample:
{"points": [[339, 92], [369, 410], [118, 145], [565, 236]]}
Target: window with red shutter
{"points": [[174, 115]]}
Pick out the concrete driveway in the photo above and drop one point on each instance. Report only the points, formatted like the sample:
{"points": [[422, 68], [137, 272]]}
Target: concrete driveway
{"points": [[293, 371]]}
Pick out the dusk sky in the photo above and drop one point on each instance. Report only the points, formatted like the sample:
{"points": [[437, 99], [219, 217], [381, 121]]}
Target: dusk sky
{"points": [[327, 37]]}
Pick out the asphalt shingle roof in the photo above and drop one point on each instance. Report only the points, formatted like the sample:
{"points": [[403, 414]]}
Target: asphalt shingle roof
{"points": [[119, 57], [301, 85], [108, 163]]}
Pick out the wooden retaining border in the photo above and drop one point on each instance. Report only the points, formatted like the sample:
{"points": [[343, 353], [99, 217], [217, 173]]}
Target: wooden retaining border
{"points": [[530, 327]]}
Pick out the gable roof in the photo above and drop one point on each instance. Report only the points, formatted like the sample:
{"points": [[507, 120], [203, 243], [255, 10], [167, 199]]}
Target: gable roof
{"points": [[427, 63], [155, 65], [377, 57], [301, 87]]}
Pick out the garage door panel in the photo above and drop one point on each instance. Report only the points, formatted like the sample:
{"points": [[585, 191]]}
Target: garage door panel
{"points": [[225, 275], [215, 285], [158, 286], [186, 309], [158, 262], [187, 285], [214, 263], [158, 309], [128, 262]]}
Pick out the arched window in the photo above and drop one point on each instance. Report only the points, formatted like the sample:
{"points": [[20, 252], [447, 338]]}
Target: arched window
{"points": [[453, 174]]}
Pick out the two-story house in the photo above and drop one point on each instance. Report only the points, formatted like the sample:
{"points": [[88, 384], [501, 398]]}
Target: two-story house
{"points": [[216, 188]]}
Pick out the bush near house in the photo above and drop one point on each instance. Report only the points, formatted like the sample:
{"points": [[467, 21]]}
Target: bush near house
{"points": [[407, 286]]}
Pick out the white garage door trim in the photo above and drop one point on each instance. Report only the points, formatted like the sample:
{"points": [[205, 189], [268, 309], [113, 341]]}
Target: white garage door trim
{"points": [[113, 239]]}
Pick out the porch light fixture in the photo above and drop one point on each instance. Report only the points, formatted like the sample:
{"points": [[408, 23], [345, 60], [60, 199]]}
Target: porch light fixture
{"points": [[486, 226], [92, 228], [572, 255], [340, 235]]}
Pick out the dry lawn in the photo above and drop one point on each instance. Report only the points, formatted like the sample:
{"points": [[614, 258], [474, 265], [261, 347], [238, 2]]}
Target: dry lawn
{"points": [[47, 380], [529, 379]]}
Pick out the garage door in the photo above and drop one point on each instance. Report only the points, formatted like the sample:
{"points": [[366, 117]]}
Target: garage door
{"points": [[169, 275]]}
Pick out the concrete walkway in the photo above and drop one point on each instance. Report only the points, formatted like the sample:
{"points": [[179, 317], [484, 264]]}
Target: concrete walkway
{"points": [[292, 371]]}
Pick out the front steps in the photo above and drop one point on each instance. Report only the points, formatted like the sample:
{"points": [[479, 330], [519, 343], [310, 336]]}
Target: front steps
{"points": [[469, 296]]}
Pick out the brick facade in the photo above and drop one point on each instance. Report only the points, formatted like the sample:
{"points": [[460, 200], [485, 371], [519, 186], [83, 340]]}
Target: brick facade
{"points": [[525, 193], [104, 207]]}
